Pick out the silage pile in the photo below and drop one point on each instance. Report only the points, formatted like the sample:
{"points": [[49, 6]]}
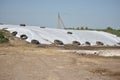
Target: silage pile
{"points": [[43, 35]]}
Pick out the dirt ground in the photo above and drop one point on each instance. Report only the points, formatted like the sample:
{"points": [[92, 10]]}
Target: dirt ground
{"points": [[29, 62]]}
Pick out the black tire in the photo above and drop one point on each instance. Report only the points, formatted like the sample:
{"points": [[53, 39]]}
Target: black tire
{"points": [[23, 37], [87, 43], [35, 41], [22, 24], [99, 43], [76, 43], [14, 33], [69, 32], [58, 42]]}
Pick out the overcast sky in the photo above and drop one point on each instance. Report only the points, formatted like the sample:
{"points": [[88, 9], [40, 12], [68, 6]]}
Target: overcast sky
{"points": [[74, 13]]}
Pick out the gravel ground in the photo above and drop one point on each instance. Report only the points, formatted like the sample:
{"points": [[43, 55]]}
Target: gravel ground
{"points": [[32, 63], [105, 53]]}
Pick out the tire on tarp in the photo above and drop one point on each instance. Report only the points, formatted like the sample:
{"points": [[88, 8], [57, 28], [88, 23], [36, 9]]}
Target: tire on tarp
{"points": [[69, 32], [76, 43], [118, 43], [58, 42], [87, 43], [23, 37], [14, 33], [99, 43], [23, 25], [35, 41]]}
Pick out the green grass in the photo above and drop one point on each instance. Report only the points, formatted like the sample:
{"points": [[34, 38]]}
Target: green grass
{"points": [[116, 32], [4, 36]]}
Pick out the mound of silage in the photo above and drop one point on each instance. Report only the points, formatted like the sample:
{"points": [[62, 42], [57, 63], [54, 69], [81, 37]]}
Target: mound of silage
{"points": [[40, 35]]}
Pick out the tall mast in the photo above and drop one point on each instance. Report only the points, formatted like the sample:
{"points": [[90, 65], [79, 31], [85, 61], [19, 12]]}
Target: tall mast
{"points": [[60, 22]]}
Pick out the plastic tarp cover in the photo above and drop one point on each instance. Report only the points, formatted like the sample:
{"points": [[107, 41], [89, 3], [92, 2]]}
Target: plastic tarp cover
{"points": [[48, 35]]}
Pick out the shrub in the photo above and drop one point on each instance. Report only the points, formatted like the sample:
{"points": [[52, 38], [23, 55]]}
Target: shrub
{"points": [[4, 36]]}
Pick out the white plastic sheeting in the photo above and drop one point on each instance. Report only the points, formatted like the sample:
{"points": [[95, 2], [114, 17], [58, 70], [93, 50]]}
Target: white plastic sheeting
{"points": [[48, 35]]}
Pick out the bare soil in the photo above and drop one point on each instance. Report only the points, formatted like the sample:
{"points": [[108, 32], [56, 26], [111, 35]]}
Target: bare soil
{"points": [[23, 61]]}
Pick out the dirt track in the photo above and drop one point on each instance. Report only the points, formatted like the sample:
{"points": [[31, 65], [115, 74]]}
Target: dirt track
{"points": [[22, 61], [32, 63]]}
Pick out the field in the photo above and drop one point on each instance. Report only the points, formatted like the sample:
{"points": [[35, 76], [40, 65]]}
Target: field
{"points": [[20, 60]]}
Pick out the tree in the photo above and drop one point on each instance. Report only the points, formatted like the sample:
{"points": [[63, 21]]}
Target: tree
{"points": [[86, 28], [77, 28], [82, 28], [109, 28]]}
